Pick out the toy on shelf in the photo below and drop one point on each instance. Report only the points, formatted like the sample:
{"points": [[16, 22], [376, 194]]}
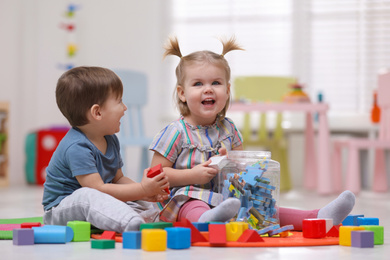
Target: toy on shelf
{"points": [[297, 95], [375, 110]]}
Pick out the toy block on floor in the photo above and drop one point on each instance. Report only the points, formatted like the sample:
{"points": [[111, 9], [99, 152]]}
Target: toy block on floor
{"points": [[334, 231], [154, 240], [102, 244], [345, 234], [154, 171], [362, 239], [179, 237], [367, 221], [81, 230], [234, 230], [196, 236], [378, 233], [351, 220], [201, 226], [250, 235], [23, 237], [131, 239], [108, 235], [30, 225], [52, 234], [217, 234], [155, 225], [314, 228]]}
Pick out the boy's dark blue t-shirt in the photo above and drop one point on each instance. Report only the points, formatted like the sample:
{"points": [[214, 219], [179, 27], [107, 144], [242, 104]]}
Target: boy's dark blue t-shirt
{"points": [[77, 155]]}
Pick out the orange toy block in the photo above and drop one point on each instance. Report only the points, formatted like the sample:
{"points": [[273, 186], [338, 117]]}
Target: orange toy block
{"points": [[196, 236], [108, 235], [154, 171], [334, 231], [250, 235], [30, 225], [217, 234]]}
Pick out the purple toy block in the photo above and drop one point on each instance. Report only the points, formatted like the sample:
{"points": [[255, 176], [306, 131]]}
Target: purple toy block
{"points": [[362, 238], [23, 236]]}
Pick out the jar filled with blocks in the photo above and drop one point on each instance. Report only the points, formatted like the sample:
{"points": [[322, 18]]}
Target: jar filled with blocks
{"points": [[254, 178]]}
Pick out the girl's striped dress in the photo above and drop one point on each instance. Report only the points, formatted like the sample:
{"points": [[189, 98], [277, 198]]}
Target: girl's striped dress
{"points": [[186, 146]]}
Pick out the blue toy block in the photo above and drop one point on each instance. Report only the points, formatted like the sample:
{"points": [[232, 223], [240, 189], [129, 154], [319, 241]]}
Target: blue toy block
{"points": [[51, 234], [362, 238], [178, 237], [131, 239], [23, 237], [367, 221], [351, 220], [201, 226]]}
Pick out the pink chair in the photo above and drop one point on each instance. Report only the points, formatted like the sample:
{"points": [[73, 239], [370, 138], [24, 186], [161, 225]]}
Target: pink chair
{"points": [[353, 145]]}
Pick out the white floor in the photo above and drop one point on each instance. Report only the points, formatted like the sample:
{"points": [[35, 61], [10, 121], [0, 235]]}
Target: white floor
{"points": [[26, 202]]}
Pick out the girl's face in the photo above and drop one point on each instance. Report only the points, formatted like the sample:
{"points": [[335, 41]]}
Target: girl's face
{"points": [[206, 91]]}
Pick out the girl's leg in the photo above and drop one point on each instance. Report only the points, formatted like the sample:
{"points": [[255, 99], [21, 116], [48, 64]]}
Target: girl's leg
{"points": [[337, 210], [100, 209], [199, 211]]}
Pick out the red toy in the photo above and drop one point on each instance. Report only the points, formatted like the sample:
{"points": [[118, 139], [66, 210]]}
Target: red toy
{"points": [[250, 235], [196, 236], [217, 234], [314, 228], [108, 235], [154, 171]]}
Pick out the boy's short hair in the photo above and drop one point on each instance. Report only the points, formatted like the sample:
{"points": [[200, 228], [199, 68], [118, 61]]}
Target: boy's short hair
{"points": [[78, 89]]}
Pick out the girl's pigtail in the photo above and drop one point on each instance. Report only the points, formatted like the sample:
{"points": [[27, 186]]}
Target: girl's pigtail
{"points": [[230, 45], [172, 48]]}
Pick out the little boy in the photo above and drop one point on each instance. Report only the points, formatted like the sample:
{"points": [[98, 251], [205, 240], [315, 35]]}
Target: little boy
{"points": [[84, 178]]}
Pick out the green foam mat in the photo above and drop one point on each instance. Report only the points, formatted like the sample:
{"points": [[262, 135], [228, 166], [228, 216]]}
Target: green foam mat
{"points": [[7, 234]]}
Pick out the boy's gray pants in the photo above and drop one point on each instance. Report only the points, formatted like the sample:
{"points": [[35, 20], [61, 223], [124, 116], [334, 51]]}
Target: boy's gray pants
{"points": [[101, 210]]}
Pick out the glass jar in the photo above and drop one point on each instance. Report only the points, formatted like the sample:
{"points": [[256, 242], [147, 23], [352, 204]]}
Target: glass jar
{"points": [[254, 178]]}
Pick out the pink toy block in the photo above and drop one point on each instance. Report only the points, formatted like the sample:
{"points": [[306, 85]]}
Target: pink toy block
{"points": [[196, 236], [362, 238], [23, 237], [250, 235], [108, 235], [217, 234], [314, 228]]}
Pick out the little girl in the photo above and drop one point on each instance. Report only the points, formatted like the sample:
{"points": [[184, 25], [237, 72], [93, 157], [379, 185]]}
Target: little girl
{"points": [[185, 146]]}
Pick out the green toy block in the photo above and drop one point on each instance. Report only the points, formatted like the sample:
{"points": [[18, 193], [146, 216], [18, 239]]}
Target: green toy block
{"points": [[155, 225], [378, 233], [81, 230], [103, 244]]}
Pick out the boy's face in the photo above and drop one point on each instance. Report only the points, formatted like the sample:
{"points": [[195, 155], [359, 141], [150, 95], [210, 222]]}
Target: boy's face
{"points": [[112, 111], [206, 92]]}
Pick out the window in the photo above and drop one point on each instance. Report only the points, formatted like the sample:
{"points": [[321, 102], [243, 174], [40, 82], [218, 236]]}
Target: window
{"points": [[335, 47]]}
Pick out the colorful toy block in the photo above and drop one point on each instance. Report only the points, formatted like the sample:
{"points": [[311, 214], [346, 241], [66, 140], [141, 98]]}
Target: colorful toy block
{"points": [[314, 228], [196, 236], [154, 240], [234, 230], [378, 233], [250, 235], [362, 239], [179, 237], [217, 234], [51, 234], [367, 221], [131, 239], [334, 231], [218, 162], [281, 230], [155, 225], [201, 226], [345, 234], [154, 171], [81, 230], [102, 244], [328, 224], [30, 225], [351, 220], [23, 237], [108, 235]]}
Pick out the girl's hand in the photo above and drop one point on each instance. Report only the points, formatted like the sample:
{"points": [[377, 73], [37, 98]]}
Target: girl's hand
{"points": [[222, 151], [157, 198], [203, 174], [155, 186]]}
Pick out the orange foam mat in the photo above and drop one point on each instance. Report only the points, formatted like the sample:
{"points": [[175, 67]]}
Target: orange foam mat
{"points": [[296, 239]]}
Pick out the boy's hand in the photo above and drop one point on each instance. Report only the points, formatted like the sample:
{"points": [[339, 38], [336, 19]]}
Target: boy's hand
{"points": [[156, 185], [202, 173]]}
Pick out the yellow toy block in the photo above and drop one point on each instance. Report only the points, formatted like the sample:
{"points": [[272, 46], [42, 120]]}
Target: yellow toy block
{"points": [[154, 240], [234, 230], [345, 234]]}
